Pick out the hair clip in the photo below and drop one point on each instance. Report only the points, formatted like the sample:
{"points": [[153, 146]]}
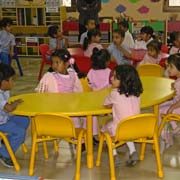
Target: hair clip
{"points": [[65, 56], [71, 61]]}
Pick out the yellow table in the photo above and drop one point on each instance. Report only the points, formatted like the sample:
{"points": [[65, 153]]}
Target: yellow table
{"points": [[156, 90]]}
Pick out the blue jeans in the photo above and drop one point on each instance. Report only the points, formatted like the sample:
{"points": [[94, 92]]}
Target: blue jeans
{"points": [[5, 58], [15, 127]]}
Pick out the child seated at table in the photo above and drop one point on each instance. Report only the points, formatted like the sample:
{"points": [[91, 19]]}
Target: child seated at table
{"points": [[91, 41], [120, 53], [153, 54], [14, 126], [146, 36], [171, 106], [124, 100], [175, 40]]}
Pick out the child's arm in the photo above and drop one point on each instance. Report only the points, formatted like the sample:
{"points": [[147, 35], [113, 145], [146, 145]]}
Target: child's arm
{"points": [[110, 99], [9, 107], [11, 51], [173, 107]]}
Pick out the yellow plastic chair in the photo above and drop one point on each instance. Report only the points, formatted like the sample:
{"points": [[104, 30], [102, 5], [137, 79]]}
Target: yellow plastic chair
{"points": [[48, 127], [167, 118], [85, 86], [10, 151], [150, 70], [138, 128]]}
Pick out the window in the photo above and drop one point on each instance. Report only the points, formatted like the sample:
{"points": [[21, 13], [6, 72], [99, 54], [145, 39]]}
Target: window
{"points": [[171, 6]]}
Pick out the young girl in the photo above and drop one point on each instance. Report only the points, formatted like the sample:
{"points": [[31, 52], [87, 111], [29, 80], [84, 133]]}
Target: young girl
{"points": [[57, 40], [91, 41], [172, 106], [63, 79], [119, 52], [154, 54], [175, 40], [99, 74], [146, 36], [125, 101]]}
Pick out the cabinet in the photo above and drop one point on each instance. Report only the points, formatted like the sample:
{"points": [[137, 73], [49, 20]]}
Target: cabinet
{"points": [[30, 25]]}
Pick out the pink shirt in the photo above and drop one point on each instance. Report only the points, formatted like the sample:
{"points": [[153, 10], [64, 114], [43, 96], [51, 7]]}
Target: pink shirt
{"points": [[55, 82], [174, 50], [122, 107], [89, 50], [99, 79], [176, 86]]}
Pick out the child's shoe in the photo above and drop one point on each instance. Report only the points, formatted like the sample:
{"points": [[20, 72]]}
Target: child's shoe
{"points": [[6, 161], [133, 159], [118, 161]]}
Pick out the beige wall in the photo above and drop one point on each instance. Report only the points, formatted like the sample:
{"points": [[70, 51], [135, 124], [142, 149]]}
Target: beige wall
{"points": [[155, 12]]}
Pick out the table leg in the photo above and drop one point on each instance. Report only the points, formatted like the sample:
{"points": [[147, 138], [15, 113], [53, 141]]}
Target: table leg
{"points": [[89, 142], [156, 112]]}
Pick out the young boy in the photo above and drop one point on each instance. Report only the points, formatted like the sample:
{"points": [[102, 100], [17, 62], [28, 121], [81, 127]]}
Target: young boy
{"points": [[144, 38], [90, 24], [14, 126], [7, 41]]}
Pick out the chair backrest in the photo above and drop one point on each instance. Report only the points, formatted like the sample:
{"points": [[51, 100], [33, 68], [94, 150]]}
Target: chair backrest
{"points": [[76, 51], [43, 48], [137, 54], [83, 63], [137, 126], [112, 65], [54, 125], [150, 70], [85, 86]]}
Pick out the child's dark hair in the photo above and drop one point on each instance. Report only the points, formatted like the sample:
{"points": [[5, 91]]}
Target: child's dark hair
{"points": [[147, 30], [154, 44], [91, 33], [52, 30], [120, 32], [175, 60], [100, 58], [130, 81], [5, 22], [6, 71], [174, 36], [63, 54], [124, 24], [88, 21]]}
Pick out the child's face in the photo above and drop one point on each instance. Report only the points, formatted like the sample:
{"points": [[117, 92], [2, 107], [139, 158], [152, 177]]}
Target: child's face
{"points": [[96, 39], [177, 42], [91, 25], [59, 66], [172, 70], [114, 81], [8, 28], [152, 52], [7, 84], [117, 39], [59, 33], [145, 37]]}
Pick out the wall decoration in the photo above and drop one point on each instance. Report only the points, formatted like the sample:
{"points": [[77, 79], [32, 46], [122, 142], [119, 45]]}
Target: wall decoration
{"points": [[105, 1], [155, 0], [143, 10], [134, 1], [120, 8]]}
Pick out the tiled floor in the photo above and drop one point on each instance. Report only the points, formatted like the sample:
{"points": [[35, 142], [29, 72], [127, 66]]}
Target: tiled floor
{"points": [[61, 166]]}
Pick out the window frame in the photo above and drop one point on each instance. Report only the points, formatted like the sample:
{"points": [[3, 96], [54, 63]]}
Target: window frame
{"points": [[167, 8]]}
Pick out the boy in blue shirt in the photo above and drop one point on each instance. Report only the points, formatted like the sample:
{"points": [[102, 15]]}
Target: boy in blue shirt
{"points": [[14, 126]]}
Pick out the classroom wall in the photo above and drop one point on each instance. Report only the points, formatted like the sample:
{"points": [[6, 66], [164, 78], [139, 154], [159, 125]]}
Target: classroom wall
{"points": [[155, 12]]}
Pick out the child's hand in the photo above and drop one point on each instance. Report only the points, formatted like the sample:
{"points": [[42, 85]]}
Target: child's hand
{"points": [[18, 101], [172, 85]]}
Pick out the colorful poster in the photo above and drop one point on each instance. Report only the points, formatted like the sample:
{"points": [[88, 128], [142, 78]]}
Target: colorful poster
{"points": [[105, 1], [134, 1]]}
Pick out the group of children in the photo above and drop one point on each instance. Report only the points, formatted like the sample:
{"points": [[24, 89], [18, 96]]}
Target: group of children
{"points": [[124, 98]]}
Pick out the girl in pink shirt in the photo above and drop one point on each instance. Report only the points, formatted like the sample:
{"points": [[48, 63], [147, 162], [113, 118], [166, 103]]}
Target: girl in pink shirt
{"points": [[63, 79], [171, 106], [175, 40], [125, 101], [91, 41]]}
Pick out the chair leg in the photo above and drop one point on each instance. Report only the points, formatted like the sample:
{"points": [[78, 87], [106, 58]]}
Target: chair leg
{"points": [[111, 157], [158, 158], [143, 147], [24, 148], [11, 153], [46, 155], [56, 147], [101, 140], [40, 72]]}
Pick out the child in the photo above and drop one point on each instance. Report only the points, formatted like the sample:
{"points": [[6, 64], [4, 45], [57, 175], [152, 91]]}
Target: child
{"points": [[146, 34], [125, 101], [90, 24], [63, 79], [172, 106], [91, 41], [153, 55], [14, 126], [175, 40], [128, 39], [119, 52], [57, 40], [7, 41], [99, 75]]}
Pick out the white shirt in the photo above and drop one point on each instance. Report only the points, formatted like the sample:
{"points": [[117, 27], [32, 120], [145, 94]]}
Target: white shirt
{"points": [[142, 44], [128, 40]]}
